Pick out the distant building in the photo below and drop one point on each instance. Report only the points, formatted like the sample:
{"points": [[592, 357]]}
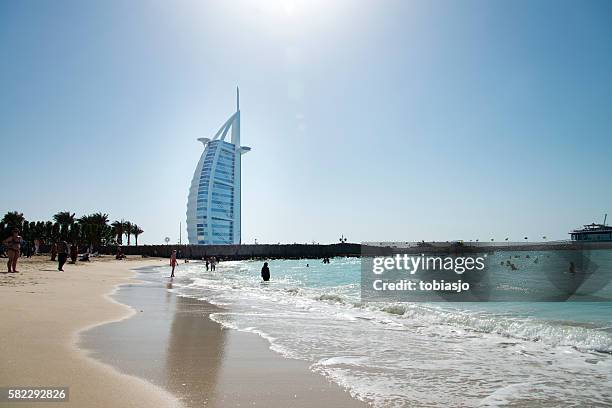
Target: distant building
{"points": [[213, 205], [593, 232]]}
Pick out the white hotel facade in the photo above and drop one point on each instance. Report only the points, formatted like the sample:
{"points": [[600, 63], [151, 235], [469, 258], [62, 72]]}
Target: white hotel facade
{"points": [[213, 205]]}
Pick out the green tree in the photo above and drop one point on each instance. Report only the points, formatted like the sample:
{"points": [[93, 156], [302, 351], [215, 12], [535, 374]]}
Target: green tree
{"points": [[55, 232], [13, 219], [127, 230], [48, 232], [136, 230], [98, 218], [25, 231], [64, 232], [39, 230], [75, 233], [4, 232], [118, 231], [64, 218], [96, 229]]}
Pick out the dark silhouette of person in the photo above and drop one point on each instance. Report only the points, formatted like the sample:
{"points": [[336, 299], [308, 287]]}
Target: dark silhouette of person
{"points": [[265, 272], [62, 255]]}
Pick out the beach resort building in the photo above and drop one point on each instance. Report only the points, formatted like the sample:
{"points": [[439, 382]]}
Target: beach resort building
{"points": [[213, 205]]}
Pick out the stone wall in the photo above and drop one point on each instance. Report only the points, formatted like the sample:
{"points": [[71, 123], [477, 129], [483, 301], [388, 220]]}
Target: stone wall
{"points": [[249, 251]]}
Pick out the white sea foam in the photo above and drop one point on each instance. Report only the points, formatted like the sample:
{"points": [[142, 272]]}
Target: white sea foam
{"points": [[405, 354]]}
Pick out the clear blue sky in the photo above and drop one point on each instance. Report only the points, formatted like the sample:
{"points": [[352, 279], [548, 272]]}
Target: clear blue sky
{"points": [[381, 120]]}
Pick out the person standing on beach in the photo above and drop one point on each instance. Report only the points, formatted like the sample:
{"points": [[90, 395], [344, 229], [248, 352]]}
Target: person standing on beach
{"points": [[265, 272], [13, 249], [62, 255], [173, 262]]}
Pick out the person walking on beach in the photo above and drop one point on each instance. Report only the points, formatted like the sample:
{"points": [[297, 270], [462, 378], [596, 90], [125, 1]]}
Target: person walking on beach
{"points": [[62, 255], [265, 272], [13, 249], [173, 262]]}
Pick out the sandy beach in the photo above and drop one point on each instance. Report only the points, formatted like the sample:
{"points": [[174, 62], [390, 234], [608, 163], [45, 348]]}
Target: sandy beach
{"points": [[67, 329], [42, 311]]}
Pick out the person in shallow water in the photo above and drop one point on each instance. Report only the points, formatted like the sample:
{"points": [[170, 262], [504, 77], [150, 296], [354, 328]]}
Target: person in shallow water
{"points": [[173, 262], [265, 272]]}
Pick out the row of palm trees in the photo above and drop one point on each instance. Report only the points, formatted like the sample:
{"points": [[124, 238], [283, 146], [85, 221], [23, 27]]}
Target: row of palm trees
{"points": [[128, 229], [91, 229]]}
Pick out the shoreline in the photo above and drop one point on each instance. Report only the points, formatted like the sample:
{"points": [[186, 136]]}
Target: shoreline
{"points": [[43, 313], [179, 359], [198, 360]]}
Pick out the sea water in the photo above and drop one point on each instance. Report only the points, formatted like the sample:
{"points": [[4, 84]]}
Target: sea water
{"points": [[394, 354]]}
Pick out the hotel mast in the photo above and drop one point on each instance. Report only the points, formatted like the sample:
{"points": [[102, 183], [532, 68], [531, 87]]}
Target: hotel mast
{"points": [[213, 205]]}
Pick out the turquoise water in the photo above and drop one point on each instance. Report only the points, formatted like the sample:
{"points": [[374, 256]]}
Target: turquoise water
{"points": [[394, 354]]}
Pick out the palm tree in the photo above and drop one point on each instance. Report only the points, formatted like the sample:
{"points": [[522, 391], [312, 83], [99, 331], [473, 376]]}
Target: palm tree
{"points": [[13, 219], [127, 230], [48, 231], [64, 218], [99, 219], [136, 230], [118, 231], [75, 232], [95, 228]]}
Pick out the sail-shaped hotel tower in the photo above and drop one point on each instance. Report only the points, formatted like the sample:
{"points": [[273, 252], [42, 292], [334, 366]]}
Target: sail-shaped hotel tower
{"points": [[213, 206]]}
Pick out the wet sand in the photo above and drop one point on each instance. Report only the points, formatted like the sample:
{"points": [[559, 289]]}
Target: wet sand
{"points": [[172, 343], [41, 313]]}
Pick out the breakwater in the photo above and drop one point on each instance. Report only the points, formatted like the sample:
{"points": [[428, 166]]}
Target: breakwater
{"points": [[245, 251], [296, 251]]}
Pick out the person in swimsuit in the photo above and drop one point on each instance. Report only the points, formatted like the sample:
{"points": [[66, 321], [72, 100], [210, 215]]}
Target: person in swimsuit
{"points": [[13, 248], [173, 262]]}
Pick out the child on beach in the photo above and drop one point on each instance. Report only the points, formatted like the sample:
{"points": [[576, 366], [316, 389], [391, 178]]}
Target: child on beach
{"points": [[173, 262], [13, 248]]}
